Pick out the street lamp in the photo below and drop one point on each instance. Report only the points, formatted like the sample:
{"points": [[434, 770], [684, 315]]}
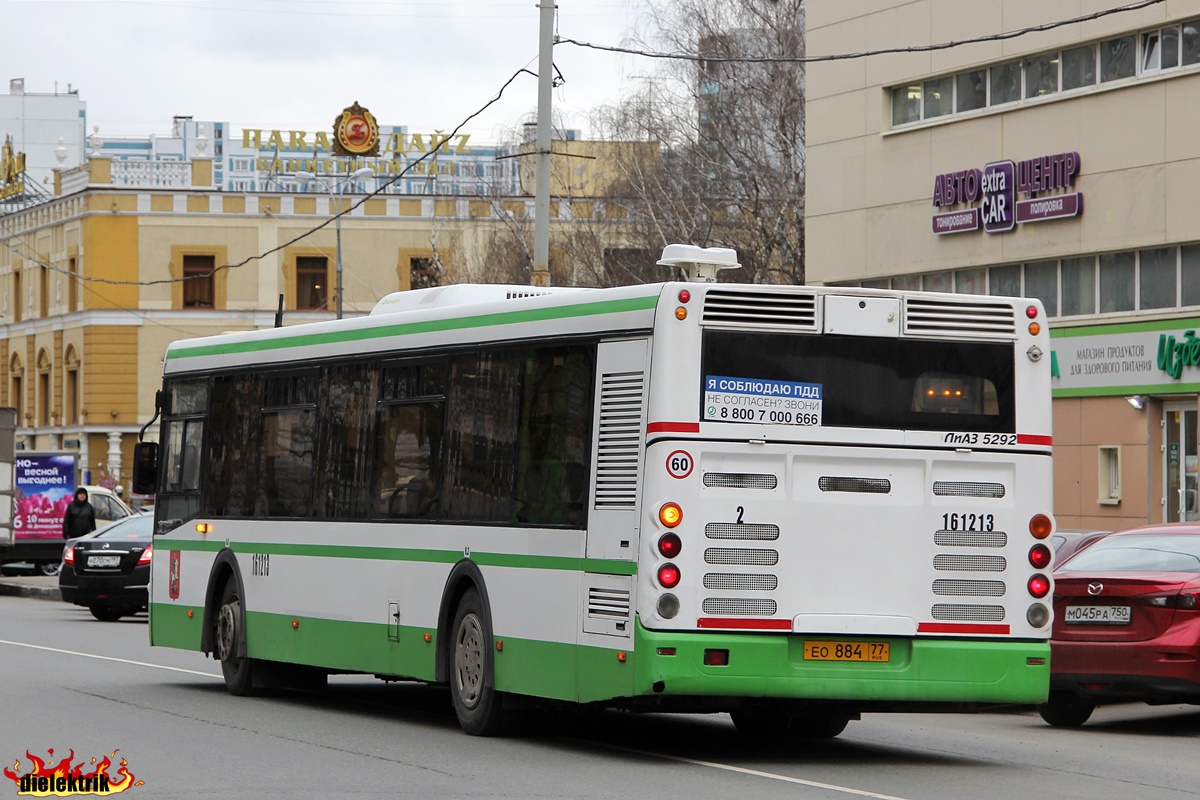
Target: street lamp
{"points": [[357, 175]]}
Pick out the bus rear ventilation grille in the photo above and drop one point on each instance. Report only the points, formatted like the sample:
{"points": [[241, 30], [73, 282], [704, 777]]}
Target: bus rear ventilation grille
{"points": [[976, 317], [743, 583], [967, 489], [956, 563], [771, 309], [970, 538], [740, 480], [957, 588], [747, 530], [862, 485], [742, 607], [954, 612], [730, 555]]}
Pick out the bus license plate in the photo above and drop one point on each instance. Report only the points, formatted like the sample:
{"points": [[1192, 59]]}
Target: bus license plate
{"points": [[847, 651], [1097, 615]]}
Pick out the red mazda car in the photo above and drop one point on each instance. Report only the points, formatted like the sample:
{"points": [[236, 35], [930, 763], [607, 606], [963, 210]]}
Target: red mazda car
{"points": [[1126, 623]]}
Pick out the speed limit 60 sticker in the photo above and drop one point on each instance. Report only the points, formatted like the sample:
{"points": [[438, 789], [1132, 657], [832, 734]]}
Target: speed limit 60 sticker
{"points": [[679, 464]]}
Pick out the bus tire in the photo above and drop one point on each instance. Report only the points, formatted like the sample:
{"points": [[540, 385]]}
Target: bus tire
{"points": [[229, 637], [477, 704], [1065, 710]]}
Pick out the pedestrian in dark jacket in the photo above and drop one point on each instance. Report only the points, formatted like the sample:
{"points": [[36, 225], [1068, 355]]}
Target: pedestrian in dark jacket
{"points": [[80, 517]]}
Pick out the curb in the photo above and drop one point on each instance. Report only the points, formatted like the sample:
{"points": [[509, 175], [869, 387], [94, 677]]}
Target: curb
{"points": [[36, 592]]}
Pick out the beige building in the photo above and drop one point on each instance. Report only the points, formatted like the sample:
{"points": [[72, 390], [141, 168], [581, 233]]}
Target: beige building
{"points": [[130, 256], [1059, 164]]}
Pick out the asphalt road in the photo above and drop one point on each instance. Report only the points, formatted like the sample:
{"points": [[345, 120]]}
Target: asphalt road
{"points": [[70, 682]]}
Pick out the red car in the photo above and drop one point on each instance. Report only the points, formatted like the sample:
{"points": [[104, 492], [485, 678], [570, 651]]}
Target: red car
{"points": [[1126, 623]]}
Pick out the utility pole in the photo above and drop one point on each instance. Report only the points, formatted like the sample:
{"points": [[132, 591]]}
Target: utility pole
{"points": [[541, 205]]}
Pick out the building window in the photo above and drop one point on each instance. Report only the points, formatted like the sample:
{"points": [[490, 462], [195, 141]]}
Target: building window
{"points": [[1109, 475], [939, 97], [72, 284], [71, 398], [44, 291], [971, 281], [1118, 59], [198, 281], [906, 104], [312, 283], [1189, 275], [16, 397], [1116, 282], [1006, 83], [18, 297], [1079, 67], [1041, 75], [44, 398], [1078, 286], [1041, 281], [1005, 281], [1156, 278], [938, 282], [972, 90]]}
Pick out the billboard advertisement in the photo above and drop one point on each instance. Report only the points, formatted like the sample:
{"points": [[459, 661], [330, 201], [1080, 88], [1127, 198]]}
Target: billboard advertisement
{"points": [[43, 487]]}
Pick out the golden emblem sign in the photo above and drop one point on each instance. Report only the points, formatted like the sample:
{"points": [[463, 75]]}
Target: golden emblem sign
{"points": [[12, 171], [355, 132]]}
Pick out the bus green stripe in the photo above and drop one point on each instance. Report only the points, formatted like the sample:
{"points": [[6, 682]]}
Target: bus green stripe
{"points": [[414, 328], [596, 565]]}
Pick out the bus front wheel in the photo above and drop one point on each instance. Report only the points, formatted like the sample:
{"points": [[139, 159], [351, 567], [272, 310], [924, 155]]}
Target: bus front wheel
{"points": [[479, 707], [231, 641]]}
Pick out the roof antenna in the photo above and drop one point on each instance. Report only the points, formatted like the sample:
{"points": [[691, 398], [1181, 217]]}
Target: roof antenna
{"points": [[699, 264]]}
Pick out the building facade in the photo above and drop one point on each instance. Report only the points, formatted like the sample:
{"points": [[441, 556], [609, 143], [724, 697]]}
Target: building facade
{"points": [[1058, 164]]}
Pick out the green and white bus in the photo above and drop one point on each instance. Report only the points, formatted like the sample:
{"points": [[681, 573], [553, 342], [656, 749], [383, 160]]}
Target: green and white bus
{"points": [[792, 503]]}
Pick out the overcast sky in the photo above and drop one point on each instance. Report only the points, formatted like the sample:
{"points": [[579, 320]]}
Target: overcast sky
{"points": [[295, 64]]}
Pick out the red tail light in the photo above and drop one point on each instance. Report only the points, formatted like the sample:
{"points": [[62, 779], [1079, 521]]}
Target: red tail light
{"points": [[69, 554], [669, 545], [668, 576], [1039, 585], [1040, 556], [146, 555], [1031, 312]]}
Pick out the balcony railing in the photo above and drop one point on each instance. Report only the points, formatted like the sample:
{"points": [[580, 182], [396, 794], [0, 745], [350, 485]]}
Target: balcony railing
{"points": [[152, 174]]}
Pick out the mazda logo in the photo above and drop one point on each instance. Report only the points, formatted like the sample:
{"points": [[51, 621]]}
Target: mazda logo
{"points": [[1095, 588]]}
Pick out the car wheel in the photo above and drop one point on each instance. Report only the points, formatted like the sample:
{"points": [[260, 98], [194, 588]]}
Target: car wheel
{"points": [[105, 612], [230, 638], [479, 707], [50, 568], [1065, 710]]}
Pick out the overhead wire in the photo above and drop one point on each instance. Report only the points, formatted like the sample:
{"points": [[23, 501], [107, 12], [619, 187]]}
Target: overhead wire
{"points": [[924, 48]]}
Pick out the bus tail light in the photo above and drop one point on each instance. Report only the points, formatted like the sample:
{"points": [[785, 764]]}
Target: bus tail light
{"points": [[1039, 585], [684, 295], [668, 607], [1031, 312], [669, 544], [1040, 556], [1038, 615], [716, 658], [670, 514], [1040, 526], [668, 576]]}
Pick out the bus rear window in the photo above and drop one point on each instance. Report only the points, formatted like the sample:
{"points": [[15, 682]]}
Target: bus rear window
{"points": [[858, 382]]}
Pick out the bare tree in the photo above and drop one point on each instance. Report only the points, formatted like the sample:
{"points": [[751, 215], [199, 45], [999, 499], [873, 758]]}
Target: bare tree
{"points": [[730, 169]]}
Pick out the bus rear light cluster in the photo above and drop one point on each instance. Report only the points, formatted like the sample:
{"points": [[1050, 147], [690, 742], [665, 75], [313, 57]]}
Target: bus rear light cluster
{"points": [[670, 545], [1040, 556], [1039, 585], [668, 576], [670, 515], [1031, 312]]}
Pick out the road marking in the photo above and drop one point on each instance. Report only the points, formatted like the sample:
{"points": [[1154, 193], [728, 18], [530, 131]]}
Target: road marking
{"points": [[754, 772], [109, 658]]}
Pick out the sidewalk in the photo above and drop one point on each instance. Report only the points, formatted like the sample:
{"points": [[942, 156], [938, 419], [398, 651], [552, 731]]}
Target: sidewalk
{"points": [[37, 586]]}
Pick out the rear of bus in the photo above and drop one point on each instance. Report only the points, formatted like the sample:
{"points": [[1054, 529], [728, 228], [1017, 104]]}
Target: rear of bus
{"points": [[846, 498]]}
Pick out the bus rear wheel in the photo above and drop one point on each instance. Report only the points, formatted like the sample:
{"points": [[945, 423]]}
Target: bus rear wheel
{"points": [[477, 704], [230, 638]]}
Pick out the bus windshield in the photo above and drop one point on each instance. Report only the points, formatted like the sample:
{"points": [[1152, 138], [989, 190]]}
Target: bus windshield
{"points": [[867, 382]]}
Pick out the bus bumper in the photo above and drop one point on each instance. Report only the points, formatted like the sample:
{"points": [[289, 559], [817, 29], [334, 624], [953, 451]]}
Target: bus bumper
{"points": [[919, 670]]}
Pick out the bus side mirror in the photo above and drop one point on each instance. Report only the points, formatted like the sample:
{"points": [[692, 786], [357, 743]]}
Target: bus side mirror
{"points": [[145, 467]]}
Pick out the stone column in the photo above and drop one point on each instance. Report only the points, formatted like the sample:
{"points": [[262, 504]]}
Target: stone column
{"points": [[114, 455]]}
